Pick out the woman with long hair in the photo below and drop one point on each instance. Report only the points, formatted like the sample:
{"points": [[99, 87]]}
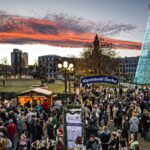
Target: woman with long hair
{"points": [[134, 143]]}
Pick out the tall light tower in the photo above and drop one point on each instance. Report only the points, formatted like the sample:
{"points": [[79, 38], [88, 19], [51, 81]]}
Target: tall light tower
{"points": [[142, 75]]}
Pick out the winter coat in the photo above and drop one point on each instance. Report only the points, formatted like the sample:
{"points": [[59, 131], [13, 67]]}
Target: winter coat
{"points": [[134, 124], [20, 124], [50, 131], [105, 137], [145, 120], [93, 145], [37, 132], [91, 130], [11, 128]]}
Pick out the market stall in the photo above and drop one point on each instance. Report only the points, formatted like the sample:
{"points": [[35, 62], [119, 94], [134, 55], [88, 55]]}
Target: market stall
{"points": [[36, 94]]}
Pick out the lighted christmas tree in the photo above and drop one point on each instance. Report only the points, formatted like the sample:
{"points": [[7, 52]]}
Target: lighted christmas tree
{"points": [[142, 75]]}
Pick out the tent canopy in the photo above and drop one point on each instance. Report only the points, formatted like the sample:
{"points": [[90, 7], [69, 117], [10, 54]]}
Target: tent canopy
{"points": [[38, 91]]}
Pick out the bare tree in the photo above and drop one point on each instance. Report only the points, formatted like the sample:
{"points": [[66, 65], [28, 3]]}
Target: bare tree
{"points": [[4, 62]]}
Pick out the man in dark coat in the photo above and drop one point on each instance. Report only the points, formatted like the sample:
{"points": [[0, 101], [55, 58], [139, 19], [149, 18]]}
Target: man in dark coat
{"points": [[37, 131], [105, 137], [50, 129], [145, 122], [119, 115], [31, 126], [91, 129]]}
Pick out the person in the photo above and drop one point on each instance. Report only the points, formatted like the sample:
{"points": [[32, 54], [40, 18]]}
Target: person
{"points": [[115, 109], [20, 125], [59, 139], [79, 144], [114, 142], [37, 131], [122, 145], [111, 105], [92, 143], [50, 129], [105, 137], [34, 103], [29, 118], [134, 123], [145, 122], [31, 126], [120, 91], [134, 143], [115, 92], [3, 115], [125, 128], [94, 118], [23, 143], [2, 142], [91, 129], [119, 115], [3, 83], [105, 118], [8, 144], [11, 128], [27, 104], [3, 129], [101, 110], [46, 105]]}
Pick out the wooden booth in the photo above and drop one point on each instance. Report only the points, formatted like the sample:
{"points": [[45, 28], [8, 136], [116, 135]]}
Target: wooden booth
{"points": [[38, 94]]}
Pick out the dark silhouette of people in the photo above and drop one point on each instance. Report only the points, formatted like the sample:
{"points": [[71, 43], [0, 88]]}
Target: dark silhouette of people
{"points": [[3, 83]]}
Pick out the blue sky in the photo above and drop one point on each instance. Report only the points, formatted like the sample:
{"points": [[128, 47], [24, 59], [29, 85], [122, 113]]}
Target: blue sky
{"points": [[132, 12]]}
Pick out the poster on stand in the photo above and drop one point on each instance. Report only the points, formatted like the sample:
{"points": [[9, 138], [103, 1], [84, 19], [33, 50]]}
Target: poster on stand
{"points": [[73, 127]]}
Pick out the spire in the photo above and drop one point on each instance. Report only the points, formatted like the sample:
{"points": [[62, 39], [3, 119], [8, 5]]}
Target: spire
{"points": [[96, 43]]}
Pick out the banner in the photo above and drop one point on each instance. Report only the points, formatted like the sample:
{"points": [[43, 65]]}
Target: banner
{"points": [[103, 79], [73, 127]]}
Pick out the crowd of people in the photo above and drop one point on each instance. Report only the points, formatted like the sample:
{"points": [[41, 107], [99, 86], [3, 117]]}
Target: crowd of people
{"points": [[126, 109]]}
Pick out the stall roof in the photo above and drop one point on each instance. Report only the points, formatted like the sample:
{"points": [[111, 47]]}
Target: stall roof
{"points": [[39, 91]]}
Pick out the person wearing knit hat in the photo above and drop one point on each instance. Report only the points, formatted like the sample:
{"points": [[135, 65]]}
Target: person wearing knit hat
{"points": [[59, 139], [59, 132], [11, 121]]}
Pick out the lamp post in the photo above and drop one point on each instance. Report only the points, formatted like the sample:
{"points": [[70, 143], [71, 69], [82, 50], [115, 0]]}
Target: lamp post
{"points": [[65, 67], [71, 70]]}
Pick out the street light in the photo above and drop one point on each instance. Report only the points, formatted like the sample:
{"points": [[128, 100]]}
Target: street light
{"points": [[65, 67]]}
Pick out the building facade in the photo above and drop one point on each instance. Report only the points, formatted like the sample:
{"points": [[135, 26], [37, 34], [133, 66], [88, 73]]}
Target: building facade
{"points": [[25, 59], [50, 64], [127, 68], [19, 61]]}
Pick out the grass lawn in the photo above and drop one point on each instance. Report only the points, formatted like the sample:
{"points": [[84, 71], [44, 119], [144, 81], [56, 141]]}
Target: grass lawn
{"points": [[20, 85]]}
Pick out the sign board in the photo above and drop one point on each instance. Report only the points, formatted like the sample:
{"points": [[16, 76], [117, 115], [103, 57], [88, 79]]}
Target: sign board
{"points": [[103, 79], [73, 127]]}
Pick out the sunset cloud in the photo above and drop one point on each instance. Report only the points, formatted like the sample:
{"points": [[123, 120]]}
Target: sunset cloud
{"points": [[60, 30]]}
